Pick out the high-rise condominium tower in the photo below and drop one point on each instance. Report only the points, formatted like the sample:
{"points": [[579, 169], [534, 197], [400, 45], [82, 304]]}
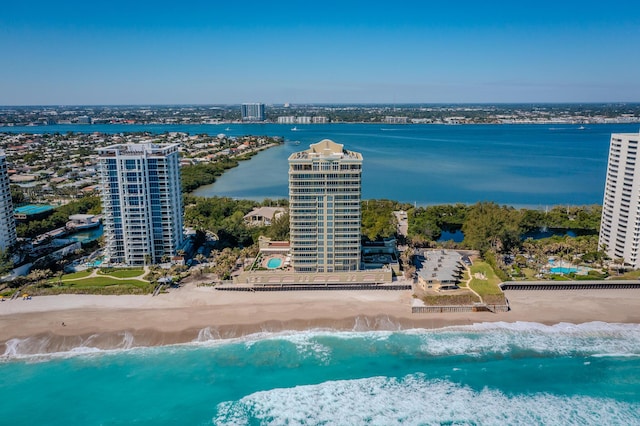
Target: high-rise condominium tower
{"points": [[142, 202], [324, 208], [252, 112], [620, 223], [7, 221]]}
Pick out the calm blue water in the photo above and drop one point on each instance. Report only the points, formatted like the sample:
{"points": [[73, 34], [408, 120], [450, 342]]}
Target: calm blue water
{"points": [[456, 236], [87, 236], [274, 263], [521, 165], [521, 373], [563, 270]]}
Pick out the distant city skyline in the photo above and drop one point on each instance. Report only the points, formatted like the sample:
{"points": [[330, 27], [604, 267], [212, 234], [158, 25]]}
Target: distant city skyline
{"points": [[83, 53]]}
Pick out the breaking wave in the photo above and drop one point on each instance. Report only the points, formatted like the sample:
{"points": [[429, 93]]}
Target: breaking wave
{"points": [[597, 339], [51, 346], [415, 400]]}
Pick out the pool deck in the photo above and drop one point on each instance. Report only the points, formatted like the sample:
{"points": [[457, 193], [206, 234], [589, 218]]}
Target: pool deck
{"points": [[282, 262]]}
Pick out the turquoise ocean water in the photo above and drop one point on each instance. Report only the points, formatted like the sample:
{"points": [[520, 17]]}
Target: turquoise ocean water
{"points": [[522, 373], [522, 165], [485, 374]]}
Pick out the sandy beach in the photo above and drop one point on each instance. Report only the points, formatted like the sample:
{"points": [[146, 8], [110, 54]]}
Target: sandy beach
{"points": [[189, 313]]}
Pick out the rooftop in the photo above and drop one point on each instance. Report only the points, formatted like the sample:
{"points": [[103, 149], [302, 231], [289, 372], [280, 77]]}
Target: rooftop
{"points": [[440, 265], [138, 149], [31, 209], [265, 212], [326, 149]]}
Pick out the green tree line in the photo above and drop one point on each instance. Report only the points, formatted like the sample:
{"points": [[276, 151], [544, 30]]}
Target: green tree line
{"points": [[204, 173], [224, 216]]}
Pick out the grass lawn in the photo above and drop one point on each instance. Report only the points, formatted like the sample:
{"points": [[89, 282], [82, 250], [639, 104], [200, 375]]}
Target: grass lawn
{"points": [[631, 275], [487, 287], [450, 299], [529, 273], [100, 282], [122, 273], [93, 285], [74, 275], [465, 278], [120, 284]]}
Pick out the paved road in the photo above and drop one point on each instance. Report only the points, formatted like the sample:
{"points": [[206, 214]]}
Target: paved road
{"points": [[403, 223]]}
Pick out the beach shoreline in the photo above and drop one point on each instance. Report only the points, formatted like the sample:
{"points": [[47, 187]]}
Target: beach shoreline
{"points": [[53, 324]]}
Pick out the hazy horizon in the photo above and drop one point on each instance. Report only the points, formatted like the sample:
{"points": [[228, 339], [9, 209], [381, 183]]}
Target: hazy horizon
{"points": [[312, 104]]}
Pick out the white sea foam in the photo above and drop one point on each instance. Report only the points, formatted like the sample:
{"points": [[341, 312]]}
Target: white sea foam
{"points": [[42, 348], [560, 339], [207, 334], [415, 400], [588, 339], [563, 327], [308, 347], [384, 323], [616, 355]]}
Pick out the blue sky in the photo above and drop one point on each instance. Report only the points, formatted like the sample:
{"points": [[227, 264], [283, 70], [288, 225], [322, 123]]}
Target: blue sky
{"points": [[211, 52]]}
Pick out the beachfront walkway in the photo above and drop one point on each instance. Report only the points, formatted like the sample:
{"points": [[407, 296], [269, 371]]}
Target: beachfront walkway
{"points": [[96, 273], [468, 285]]}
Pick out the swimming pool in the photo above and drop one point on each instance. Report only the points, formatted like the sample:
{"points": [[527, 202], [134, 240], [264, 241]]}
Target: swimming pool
{"points": [[274, 263], [563, 270], [96, 263]]}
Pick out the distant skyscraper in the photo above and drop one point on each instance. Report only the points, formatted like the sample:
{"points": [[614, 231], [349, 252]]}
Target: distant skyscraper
{"points": [[7, 221], [253, 112], [324, 208], [142, 202], [620, 223]]}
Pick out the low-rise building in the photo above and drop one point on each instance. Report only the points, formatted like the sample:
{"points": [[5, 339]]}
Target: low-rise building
{"points": [[380, 254], [287, 119], [263, 216], [439, 269], [389, 119]]}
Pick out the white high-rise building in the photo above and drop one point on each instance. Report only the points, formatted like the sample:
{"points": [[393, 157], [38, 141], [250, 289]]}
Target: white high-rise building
{"points": [[324, 208], [620, 223], [142, 202], [7, 221]]}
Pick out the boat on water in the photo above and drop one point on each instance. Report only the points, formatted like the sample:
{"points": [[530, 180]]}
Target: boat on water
{"points": [[294, 129], [227, 129], [81, 222]]}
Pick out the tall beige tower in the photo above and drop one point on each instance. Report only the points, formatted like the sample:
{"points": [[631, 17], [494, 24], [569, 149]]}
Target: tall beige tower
{"points": [[620, 223], [324, 208]]}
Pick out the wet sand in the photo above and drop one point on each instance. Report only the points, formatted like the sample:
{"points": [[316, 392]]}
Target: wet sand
{"points": [[191, 313]]}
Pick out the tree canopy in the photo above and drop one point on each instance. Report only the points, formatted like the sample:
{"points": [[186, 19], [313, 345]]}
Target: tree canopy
{"points": [[490, 226], [377, 218]]}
